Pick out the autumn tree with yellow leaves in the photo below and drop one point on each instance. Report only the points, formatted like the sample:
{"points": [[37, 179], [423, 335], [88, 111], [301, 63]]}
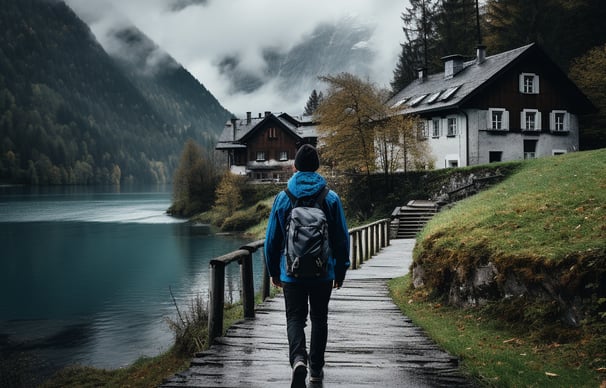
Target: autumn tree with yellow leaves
{"points": [[359, 133]]}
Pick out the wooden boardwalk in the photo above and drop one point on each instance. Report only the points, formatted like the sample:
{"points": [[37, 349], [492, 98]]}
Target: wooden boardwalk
{"points": [[370, 342]]}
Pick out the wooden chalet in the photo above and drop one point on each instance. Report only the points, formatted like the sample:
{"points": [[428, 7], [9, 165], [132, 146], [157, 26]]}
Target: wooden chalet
{"points": [[514, 105], [263, 148]]}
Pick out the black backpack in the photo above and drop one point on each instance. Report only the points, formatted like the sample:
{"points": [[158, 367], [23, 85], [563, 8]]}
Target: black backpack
{"points": [[307, 247]]}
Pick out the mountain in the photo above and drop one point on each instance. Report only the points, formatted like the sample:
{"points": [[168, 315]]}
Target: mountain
{"points": [[330, 49], [72, 114]]}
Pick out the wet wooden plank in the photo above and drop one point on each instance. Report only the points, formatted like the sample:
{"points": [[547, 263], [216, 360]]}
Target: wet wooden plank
{"points": [[370, 343]]}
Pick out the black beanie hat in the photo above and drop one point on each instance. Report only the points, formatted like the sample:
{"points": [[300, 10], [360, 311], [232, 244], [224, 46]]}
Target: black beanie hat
{"points": [[307, 158]]}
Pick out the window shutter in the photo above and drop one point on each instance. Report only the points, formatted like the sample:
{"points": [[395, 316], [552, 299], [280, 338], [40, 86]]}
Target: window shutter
{"points": [[505, 119], [486, 122], [537, 124], [567, 121], [535, 84], [522, 120], [552, 125], [521, 83]]}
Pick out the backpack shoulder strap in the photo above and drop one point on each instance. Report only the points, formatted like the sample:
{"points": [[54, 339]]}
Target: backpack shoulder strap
{"points": [[293, 199], [319, 197], [322, 196]]}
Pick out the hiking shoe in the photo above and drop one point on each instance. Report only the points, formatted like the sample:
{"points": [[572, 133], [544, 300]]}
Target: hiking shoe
{"points": [[299, 373], [316, 376]]}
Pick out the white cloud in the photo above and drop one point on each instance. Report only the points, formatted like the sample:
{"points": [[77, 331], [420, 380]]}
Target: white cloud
{"points": [[199, 36]]}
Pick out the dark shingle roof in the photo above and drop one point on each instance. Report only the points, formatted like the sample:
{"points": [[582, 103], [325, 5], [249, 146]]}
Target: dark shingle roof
{"points": [[438, 93], [298, 126]]}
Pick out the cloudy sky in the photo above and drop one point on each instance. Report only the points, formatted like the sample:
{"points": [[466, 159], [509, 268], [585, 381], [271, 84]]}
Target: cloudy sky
{"points": [[199, 33]]}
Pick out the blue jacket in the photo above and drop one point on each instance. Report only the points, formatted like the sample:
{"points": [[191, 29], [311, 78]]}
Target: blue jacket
{"points": [[305, 184]]}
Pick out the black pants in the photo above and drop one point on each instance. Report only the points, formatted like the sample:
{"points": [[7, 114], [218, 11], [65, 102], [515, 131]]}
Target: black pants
{"points": [[301, 298]]}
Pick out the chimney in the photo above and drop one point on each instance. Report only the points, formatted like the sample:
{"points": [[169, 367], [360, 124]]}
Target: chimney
{"points": [[248, 118], [481, 53], [452, 65], [233, 126], [422, 73], [267, 113]]}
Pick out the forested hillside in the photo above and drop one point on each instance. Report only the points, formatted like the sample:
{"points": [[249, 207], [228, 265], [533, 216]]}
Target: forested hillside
{"points": [[71, 114]]}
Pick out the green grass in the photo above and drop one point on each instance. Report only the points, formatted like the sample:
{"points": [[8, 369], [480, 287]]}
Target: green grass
{"points": [[545, 221], [498, 354], [550, 208]]}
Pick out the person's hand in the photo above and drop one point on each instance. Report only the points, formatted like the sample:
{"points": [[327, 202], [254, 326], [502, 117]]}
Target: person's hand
{"points": [[275, 280], [337, 284]]}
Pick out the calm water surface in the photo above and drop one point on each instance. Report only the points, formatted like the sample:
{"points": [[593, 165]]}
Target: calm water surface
{"points": [[85, 274]]}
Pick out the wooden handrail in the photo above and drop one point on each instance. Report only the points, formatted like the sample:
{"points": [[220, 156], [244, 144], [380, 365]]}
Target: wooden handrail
{"points": [[365, 242]]}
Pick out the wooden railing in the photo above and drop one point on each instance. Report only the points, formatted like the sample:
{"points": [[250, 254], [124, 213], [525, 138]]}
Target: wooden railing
{"points": [[365, 242]]}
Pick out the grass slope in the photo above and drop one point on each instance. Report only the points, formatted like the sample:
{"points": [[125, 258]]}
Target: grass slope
{"points": [[547, 219]]}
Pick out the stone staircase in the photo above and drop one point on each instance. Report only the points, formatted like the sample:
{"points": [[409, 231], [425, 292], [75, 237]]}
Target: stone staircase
{"points": [[408, 220]]}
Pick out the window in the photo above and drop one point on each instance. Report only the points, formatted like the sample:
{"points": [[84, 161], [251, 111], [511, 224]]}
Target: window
{"points": [[423, 130], [417, 100], [498, 119], [530, 149], [529, 83], [559, 121], [495, 156], [452, 126], [283, 156], [435, 125], [449, 93], [260, 156], [400, 102], [433, 97], [530, 120], [272, 133]]}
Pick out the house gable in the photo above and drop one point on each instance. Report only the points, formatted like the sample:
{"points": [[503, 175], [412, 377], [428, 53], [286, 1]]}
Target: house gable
{"points": [[508, 106], [264, 147]]}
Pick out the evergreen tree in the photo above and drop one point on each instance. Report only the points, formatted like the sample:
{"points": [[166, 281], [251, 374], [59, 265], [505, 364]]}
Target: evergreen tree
{"points": [[419, 48], [588, 73], [565, 29], [313, 102], [456, 27]]}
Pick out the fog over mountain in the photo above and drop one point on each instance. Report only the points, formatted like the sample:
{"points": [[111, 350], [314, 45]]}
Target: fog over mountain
{"points": [[258, 55]]}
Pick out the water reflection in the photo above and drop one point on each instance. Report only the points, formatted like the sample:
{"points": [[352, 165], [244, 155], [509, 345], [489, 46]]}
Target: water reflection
{"points": [[85, 277]]}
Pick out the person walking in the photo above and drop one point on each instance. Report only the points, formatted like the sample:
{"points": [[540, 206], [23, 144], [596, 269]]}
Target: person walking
{"points": [[303, 295]]}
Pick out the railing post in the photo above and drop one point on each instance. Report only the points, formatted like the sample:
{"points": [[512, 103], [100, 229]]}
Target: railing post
{"points": [[354, 250], [366, 244], [265, 282], [216, 294], [371, 232], [360, 236], [247, 285]]}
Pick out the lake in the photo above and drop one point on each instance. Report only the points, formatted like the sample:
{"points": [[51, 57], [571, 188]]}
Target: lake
{"points": [[86, 273]]}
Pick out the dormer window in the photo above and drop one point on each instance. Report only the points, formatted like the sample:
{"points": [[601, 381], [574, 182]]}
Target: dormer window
{"points": [[529, 83]]}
